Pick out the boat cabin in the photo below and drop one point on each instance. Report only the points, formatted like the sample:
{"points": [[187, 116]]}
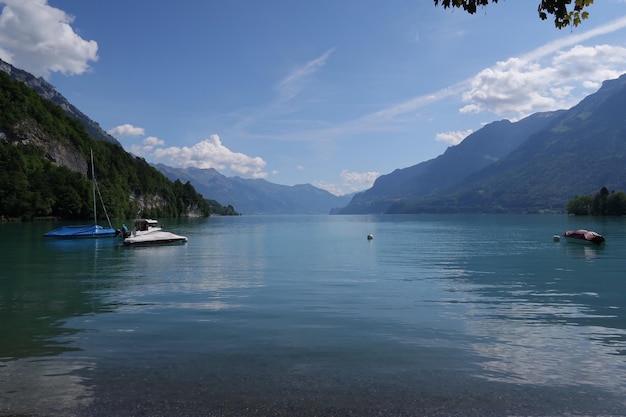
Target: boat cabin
{"points": [[143, 225]]}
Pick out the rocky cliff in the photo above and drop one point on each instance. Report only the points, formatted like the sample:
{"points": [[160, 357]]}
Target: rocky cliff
{"points": [[28, 132]]}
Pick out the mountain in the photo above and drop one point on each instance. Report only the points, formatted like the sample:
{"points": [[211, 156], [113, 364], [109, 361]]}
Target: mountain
{"points": [[44, 154], [538, 163], [48, 92], [477, 151], [257, 196]]}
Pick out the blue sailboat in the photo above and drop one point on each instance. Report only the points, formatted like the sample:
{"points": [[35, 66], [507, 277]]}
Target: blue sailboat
{"points": [[86, 231]]}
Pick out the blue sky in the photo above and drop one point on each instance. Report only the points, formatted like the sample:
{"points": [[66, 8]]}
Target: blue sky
{"points": [[332, 93]]}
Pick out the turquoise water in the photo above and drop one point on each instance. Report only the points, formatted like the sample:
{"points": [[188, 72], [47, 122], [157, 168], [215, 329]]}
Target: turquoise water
{"points": [[302, 315]]}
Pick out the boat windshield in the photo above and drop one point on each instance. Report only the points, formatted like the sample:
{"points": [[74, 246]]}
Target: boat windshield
{"points": [[145, 224]]}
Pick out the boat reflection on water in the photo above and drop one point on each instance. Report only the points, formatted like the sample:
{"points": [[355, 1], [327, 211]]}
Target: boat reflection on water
{"points": [[80, 247], [587, 252]]}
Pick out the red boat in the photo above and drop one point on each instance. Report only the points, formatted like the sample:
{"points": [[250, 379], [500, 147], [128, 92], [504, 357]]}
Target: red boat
{"points": [[583, 236]]}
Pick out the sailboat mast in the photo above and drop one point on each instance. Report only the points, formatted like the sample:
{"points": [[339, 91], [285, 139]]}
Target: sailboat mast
{"points": [[93, 186]]}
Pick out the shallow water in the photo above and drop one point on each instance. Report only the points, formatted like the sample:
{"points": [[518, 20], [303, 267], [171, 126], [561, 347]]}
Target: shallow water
{"points": [[302, 315]]}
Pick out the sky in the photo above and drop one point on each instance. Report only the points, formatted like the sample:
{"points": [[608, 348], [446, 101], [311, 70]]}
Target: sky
{"points": [[333, 93]]}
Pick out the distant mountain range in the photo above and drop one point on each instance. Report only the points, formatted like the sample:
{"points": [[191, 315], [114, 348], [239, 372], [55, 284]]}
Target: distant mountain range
{"points": [[257, 196], [533, 165]]}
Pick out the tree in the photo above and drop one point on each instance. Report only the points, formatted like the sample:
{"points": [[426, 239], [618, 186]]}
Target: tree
{"points": [[616, 204], [565, 13], [601, 203], [580, 205]]}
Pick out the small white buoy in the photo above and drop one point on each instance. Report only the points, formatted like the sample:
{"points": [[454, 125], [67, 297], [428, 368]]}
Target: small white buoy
{"points": [[370, 236], [556, 238]]}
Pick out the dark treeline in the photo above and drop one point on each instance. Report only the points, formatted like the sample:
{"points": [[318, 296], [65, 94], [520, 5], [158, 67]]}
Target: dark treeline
{"points": [[602, 203], [32, 187]]}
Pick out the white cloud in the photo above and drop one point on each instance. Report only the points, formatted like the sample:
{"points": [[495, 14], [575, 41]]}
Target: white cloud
{"points": [[290, 86], [357, 181], [331, 188], [137, 150], [521, 86], [555, 75], [126, 130], [453, 138], [287, 89], [38, 38], [350, 182], [545, 78], [211, 153], [153, 141]]}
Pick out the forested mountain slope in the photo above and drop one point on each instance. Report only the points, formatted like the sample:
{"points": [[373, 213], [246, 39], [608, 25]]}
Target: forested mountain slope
{"points": [[551, 158], [44, 169], [581, 151], [48, 92], [477, 151]]}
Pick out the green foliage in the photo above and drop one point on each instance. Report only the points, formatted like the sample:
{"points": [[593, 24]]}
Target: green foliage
{"points": [[601, 203], [33, 187], [217, 208], [580, 205], [564, 14]]}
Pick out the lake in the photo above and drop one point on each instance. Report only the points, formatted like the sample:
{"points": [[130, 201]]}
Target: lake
{"points": [[453, 315]]}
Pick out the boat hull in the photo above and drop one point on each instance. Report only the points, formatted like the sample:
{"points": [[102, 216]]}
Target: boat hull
{"points": [[154, 238], [81, 232], [584, 237]]}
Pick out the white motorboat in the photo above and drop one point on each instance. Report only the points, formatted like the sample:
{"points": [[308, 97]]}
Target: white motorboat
{"points": [[148, 232]]}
